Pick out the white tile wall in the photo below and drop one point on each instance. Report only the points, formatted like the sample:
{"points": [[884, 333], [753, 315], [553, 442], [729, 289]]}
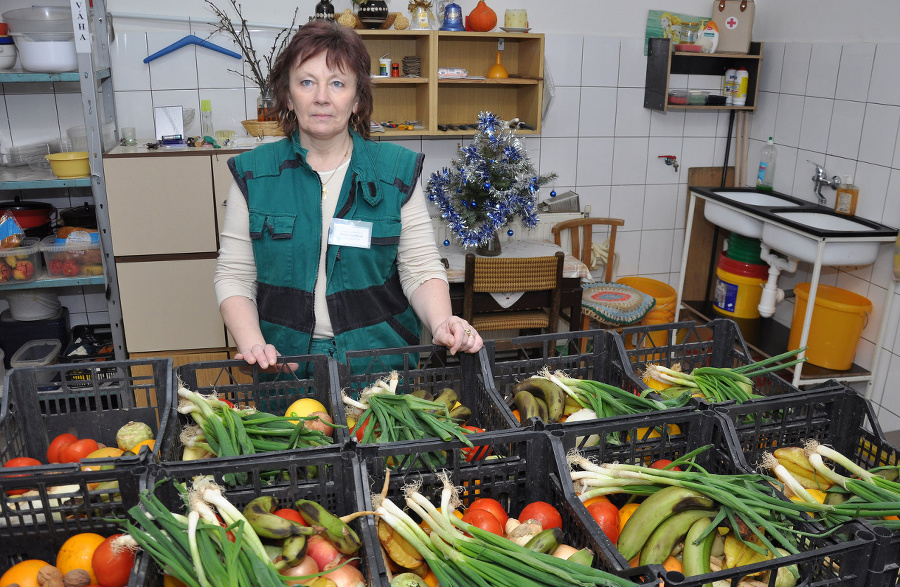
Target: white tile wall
{"points": [[836, 104]]}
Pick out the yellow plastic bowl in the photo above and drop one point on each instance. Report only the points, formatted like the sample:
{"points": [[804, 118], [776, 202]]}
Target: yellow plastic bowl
{"points": [[69, 165]]}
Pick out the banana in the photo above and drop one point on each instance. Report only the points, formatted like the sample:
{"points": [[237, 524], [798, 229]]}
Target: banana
{"points": [[543, 414], [695, 557], [340, 534], [652, 512], [582, 557], [786, 574], [293, 549], [527, 406], [795, 461], [397, 547], [266, 524], [545, 390], [448, 396], [667, 534], [461, 414], [545, 541]]}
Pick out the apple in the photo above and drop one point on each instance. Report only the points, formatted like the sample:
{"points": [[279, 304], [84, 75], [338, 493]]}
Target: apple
{"points": [[23, 270]]}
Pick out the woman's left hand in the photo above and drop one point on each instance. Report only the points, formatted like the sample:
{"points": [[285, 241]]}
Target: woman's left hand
{"points": [[457, 335]]}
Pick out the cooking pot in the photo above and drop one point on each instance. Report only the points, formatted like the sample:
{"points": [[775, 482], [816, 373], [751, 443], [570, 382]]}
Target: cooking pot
{"points": [[29, 214], [81, 216]]}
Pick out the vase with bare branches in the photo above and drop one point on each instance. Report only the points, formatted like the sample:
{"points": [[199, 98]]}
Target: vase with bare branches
{"points": [[260, 66]]}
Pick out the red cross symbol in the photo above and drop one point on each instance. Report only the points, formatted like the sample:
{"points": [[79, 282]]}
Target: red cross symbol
{"points": [[731, 23]]}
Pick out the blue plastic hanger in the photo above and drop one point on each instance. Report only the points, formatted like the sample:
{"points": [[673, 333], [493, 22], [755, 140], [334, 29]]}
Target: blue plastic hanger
{"points": [[191, 40]]}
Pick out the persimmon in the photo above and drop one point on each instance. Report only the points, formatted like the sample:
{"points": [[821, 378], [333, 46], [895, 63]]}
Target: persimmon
{"points": [[77, 553]]}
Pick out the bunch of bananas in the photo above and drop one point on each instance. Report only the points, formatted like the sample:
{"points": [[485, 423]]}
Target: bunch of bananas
{"points": [[537, 397], [794, 459], [293, 536]]}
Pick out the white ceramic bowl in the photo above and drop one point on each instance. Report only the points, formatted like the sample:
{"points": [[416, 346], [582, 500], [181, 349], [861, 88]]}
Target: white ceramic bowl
{"points": [[46, 52], [8, 55]]}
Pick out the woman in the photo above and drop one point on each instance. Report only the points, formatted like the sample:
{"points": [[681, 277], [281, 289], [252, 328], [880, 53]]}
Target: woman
{"points": [[327, 245]]}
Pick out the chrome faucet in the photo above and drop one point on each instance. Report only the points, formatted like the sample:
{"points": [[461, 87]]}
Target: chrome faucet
{"points": [[822, 178]]}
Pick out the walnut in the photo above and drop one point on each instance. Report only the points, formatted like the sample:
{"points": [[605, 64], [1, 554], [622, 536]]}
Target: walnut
{"points": [[77, 578], [401, 22], [50, 576]]}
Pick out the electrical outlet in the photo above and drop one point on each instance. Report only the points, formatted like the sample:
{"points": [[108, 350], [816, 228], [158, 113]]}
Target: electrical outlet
{"points": [[500, 44]]}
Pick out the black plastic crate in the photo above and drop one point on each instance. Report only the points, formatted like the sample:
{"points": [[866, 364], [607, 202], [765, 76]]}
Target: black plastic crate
{"points": [[558, 352], [35, 525], [246, 386], [526, 470], [331, 478], [427, 368], [832, 414], [718, 343], [43, 402], [633, 440]]}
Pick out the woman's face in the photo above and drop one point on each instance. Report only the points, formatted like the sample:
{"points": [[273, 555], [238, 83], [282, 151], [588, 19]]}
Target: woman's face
{"points": [[322, 98]]}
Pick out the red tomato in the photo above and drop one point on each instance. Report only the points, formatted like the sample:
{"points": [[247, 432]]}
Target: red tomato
{"points": [[228, 403], [112, 566], [290, 514], [491, 505], [483, 519], [662, 464], [543, 512], [71, 268], [57, 444], [55, 267], [75, 451], [229, 535], [360, 428], [479, 452], [607, 517], [20, 462]]}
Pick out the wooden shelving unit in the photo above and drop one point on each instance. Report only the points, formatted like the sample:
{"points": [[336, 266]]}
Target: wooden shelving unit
{"points": [[432, 101]]}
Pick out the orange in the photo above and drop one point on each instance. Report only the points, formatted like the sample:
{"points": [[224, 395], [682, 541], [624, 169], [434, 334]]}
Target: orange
{"points": [[625, 512], [673, 564], [23, 574], [517, 415], [170, 581], [149, 443], [596, 499], [430, 579], [77, 552]]}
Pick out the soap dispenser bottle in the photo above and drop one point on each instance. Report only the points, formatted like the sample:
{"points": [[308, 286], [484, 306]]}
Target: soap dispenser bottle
{"points": [[206, 126], [847, 195]]}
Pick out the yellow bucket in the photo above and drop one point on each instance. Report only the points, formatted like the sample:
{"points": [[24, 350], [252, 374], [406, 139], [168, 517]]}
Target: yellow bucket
{"points": [[838, 319], [664, 310], [739, 287]]}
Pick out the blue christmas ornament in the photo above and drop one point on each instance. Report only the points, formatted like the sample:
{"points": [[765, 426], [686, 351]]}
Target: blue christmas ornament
{"points": [[446, 243], [552, 193], [487, 185], [474, 204], [509, 232]]}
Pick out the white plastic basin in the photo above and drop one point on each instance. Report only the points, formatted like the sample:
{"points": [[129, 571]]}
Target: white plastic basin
{"points": [[737, 221], [46, 52], [805, 247]]}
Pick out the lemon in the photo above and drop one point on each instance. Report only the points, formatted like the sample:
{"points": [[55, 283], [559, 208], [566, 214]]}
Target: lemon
{"points": [[304, 407]]}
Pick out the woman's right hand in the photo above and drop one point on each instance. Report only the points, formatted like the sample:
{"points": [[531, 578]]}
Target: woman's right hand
{"points": [[262, 354]]}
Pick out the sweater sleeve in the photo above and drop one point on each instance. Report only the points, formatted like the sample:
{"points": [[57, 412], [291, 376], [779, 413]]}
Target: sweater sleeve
{"points": [[236, 267], [418, 259]]}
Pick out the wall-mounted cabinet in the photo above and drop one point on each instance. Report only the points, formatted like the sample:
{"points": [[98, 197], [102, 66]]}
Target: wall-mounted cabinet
{"points": [[433, 102], [663, 63]]}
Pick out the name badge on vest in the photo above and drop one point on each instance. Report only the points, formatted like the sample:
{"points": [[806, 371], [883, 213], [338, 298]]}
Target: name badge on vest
{"points": [[350, 233]]}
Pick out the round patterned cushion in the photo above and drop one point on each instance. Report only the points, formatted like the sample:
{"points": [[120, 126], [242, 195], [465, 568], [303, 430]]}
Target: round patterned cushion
{"points": [[615, 303]]}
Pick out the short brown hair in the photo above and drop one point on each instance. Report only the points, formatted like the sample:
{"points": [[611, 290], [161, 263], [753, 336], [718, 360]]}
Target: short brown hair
{"points": [[344, 50]]}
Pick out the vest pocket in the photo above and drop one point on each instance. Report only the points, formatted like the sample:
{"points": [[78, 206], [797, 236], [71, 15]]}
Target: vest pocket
{"points": [[272, 238], [360, 267]]}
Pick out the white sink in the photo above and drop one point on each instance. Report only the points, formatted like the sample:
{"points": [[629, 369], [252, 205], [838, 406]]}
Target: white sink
{"points": [[737, 221], [805, 247]]}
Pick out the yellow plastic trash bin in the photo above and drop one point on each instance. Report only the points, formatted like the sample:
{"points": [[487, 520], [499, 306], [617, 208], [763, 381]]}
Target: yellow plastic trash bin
{"points": [[838, 319]]}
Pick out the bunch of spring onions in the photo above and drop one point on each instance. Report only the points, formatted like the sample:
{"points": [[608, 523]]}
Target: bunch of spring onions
{"points": [[197, 549], [386, 416], [462, 555], [607, 400], [871, 496], [225, 431], [746, 501], [717, 384]]}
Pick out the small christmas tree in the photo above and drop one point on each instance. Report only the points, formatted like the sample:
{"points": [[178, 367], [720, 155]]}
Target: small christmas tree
{"points": [[491, 182]]}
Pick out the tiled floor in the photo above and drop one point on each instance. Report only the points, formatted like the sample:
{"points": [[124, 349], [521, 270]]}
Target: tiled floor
{"points": [[893, 437]]}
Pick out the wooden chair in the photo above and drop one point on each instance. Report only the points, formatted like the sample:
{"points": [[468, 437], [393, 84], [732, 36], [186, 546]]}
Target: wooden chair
{"points": [[581, 234], [506, 274]]}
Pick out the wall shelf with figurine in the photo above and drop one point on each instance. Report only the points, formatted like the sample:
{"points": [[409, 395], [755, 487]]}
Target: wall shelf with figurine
{"points": [[663, 63], [436, 103]]}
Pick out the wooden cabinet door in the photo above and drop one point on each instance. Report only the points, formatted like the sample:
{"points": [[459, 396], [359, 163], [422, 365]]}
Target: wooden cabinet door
{"points": [[179, 359], [170, 305], [160, 205]]}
